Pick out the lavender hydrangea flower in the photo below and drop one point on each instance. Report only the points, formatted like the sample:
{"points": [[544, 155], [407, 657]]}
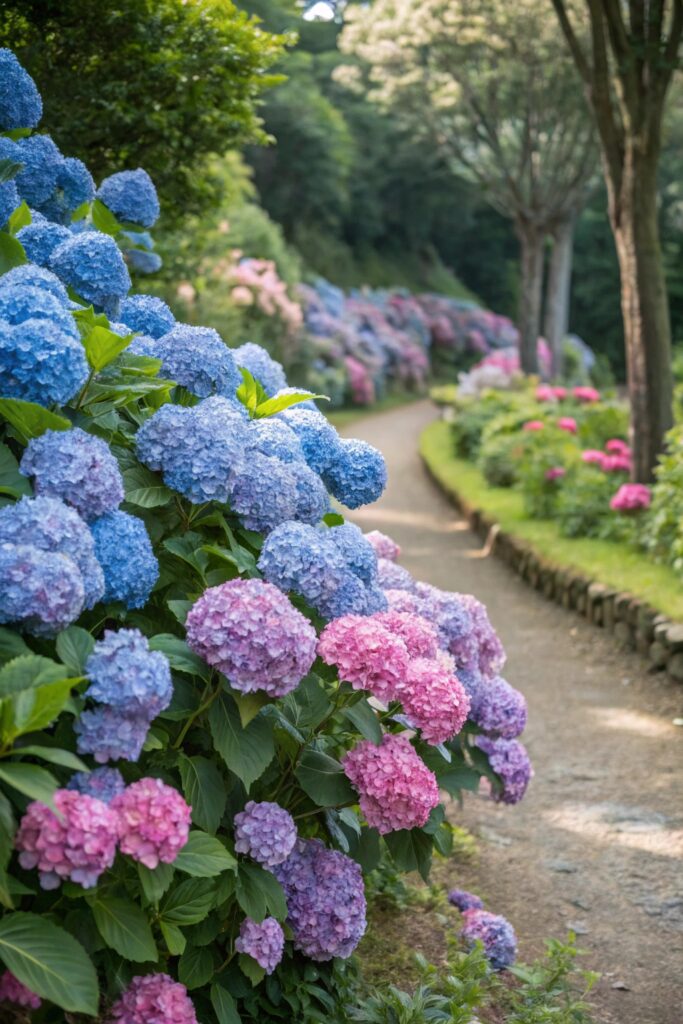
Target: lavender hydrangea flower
{"points": [[30, 275], [359, 556], [325, 900], [319, 440], [357, 475], [198, 358], [263, 492], [77, 467], [263, 941], [91, 263], [37, 180], [110, 734], [41, 237], [488, 655], [392, 576], [148, 314], [131, 195], [266, 832], [20, 102], [450, 615], [261, 365], [495, 932], [274, 437], [48, 524], [19, 304], [40, 362], [464, 900], [40, 593], [499, 708], [125, 674], [124, 551], [12, 991], [103, 783], [509, 760]]}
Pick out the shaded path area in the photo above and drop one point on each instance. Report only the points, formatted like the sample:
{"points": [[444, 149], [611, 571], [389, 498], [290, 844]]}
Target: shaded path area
{"points": [[597, 844]]}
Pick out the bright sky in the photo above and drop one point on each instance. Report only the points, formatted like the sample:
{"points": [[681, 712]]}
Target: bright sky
{"points": [[320, 11]]}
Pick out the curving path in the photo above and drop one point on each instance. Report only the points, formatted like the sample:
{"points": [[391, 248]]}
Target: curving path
{"points": [[597, 844]]}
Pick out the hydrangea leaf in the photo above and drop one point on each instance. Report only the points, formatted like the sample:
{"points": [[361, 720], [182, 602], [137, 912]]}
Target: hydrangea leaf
{"points": [[31, 419], [11, 645], [411, 850], [12, 252], [323, 779], [180, 657], [28, 671], [155, 883], [281, 402], [144, 489], [74, 647], [204, 856], [224, 1006], [9, 169], [259, 893], [103, 219], [125, 928], [20, 218], [102, 346], [174, 938], [196, 967], [251, 969], [188, 902], [362, 716], [29, 779], [53, 755], [205, 791], [247, 752]]}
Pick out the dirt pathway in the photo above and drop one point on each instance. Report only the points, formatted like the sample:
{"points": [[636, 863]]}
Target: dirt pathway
{"points": [[597, 844]]}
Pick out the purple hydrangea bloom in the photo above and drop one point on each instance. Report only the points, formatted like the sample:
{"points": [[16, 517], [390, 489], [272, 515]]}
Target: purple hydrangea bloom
{"points": [[496, 934], [125, 674], [77, 467], [263, 941], [92, 264], [131, 195], [357, 475], [40, 593], [40, 362], [9, 200], [20, 303], [261, 365], [13, 991], [464, 900], [319, 440], [30, 275], [325, 900], [490, 654], [41, 237], [392, 576], [359, 555], [274, 437], [48, 524], [266, 832], [110, 734], [20, 102], [199, 359], [103, 783], [471, 682], [148, 314], [509, 760], [142, 261], [447, 611], [253, 634], [124, 551], [37, 180], [499, 708]]}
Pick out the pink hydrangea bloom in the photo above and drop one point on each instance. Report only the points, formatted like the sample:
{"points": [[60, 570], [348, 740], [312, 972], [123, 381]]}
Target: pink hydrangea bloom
{"points": [[631, 498], [586, 394], [79, 845], [384, 546], [252, 633], [153, 822], [419, 635], [593, 456], [616, 463], [555, 473], [366, 654], [153, 999], [567, 423], [545, 393], [532, 425], [615, 446], [396, 788], [12, 991], [559, 392], [402, 601], [434, 700]]}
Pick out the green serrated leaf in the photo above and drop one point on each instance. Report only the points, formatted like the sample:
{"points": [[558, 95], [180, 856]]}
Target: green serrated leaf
{"points": [[12, 482], [278, 403], [247, 752], [173, 937], [53, 755], [28, 671], [30, 419], [333, 519], [196, 967], [74, 647], [125, 928], [9, 169], [365, 720], [12, 252], [251, 969], [204, 856], [34, 782], [188, 902], [36, 708], [322, 778], [103, 219], [20, 218], [224, 1006], [144, 489], [205, 791], [102, 346], [180, 657], [11, 645], [155, 883]]}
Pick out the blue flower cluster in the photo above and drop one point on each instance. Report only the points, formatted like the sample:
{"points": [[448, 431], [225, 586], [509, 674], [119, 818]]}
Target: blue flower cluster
{"points": [[273, 437], [318, 438], [40, 593], [111, 736], [393, 576], [20, 102], [77, 467], [124, 551], [264, 492], [143, 261], [29, 275], [91, 263], [199, 359], [102, 784], [495, 933], [464, 900], [261, 365], [148, 314], [37, 179], [18, 304], [357, 475], [41, 237], [131, 195]]}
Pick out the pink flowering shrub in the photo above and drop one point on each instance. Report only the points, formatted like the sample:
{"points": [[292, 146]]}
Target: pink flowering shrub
{"points": [[567, 423], [366, 653], [153, 999], [533, 425], [631, 498], [153, 822], [434, 700]]}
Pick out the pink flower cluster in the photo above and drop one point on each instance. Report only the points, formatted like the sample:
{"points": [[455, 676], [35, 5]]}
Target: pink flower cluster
{"points": [[255, 282], [12, 991], [153, 822], [555, 473], [420, 636], [586, 394], [366, 653], [533, 425], [395, 787], [567, 423], [550, 393], [616, 458], [433, 699], [153, 999], [631, 498], [385, 547]]}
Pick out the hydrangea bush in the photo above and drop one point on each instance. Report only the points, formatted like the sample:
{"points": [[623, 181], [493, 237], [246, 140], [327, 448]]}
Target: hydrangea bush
{"points": [[221, 703]]}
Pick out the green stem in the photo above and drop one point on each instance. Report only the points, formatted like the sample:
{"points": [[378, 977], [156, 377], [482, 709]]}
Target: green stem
{"points": [[84, 389], [205, 703]]}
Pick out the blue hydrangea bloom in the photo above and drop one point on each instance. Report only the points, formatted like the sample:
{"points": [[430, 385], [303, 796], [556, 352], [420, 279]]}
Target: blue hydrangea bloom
{"points": [[495, 932], [471, 681], [312, 501], [41, 237], [102, 784], [296, 556], [75, 187], [19, 303], [125, 674], [148, 314], [349, 598], [142, 345], [20, 102], [197, 358], [92, 264], [142, 239], [110, 734], [9, 200], [50, 525], [357, 475], [375, 600], [30, 275], [40, 362], [124, 551], [261, 365], [77, 467], [358, 553], [131, 195], [41, 592], [262, 491], [142, 261], [319, 440], [274, 437], [38, 178], [464, 900]]}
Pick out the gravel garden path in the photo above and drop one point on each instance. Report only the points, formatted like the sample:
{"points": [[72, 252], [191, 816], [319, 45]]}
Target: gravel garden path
{"points": [[597, 844]]}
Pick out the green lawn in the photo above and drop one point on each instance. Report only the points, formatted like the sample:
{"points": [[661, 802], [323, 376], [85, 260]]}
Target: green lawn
{"points": [[613, 564]]}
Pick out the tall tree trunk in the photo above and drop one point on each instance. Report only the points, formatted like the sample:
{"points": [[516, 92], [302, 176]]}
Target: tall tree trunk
{"points": [[531, 239], [558, 289], [645, 308]]}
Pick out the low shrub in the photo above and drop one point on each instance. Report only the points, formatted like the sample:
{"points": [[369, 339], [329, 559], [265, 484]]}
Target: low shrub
{"points": [[598, 423], [548, 456], [582, 508], [663, 524], [500, 458]]}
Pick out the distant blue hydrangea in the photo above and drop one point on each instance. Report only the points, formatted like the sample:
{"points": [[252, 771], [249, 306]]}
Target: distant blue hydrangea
{"points": [[312, 501], [197, 358], [358, 474], [9, 200], [20, 102], [319, 440], [125, 674], [296, 556], [143, 239], [102, 784], [124, 551], [19, 303], [358, 553], [37, 180], [495, 932], [148, 314], [110, 734], [274, 437], [262, 492], [77, 467], [499, 709], [41, 237], [142, 261], [41, 592], [92, 264], [131, 196], [50, 525], [464, 900], [509, 760], [262, 366], [265, 832], [30, 275], [40, 362]]}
